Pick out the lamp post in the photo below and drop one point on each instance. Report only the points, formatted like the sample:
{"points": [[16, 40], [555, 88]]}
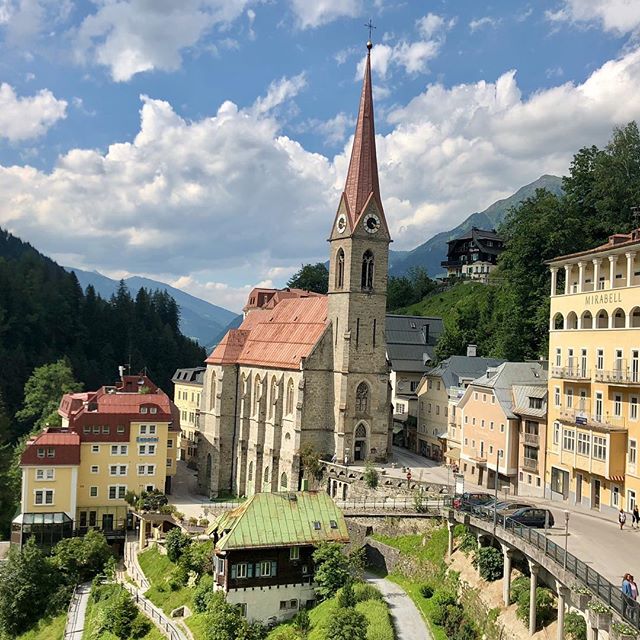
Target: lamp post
{"points": [[495, 493], [566, 536]]}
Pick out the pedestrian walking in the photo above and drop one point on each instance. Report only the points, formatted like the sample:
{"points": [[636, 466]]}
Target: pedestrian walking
{"points": [[635, 517], [626, 585], [634, 588], [622, 518]]}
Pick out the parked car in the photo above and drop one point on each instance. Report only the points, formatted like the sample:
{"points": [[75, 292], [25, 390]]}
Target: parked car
{"points": [[527, 516], [468, 500], [502, 505]]}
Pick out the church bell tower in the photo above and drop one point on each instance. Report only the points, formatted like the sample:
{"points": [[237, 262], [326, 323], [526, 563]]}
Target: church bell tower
{"points": [[359, 246]]}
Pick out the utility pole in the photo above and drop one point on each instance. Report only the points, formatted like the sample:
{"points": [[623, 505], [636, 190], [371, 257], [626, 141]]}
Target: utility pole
{"points": [[495, 493]]}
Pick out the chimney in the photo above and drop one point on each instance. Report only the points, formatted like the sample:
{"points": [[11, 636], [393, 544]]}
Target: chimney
{"points": [[471, 351], [121, 372]]}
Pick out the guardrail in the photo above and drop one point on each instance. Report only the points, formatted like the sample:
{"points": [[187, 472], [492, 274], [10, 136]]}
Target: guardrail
{"points": [[72, 614], [416, 504]]}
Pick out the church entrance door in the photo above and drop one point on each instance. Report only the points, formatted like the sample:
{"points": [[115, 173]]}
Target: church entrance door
{"points": [[360, 443]]}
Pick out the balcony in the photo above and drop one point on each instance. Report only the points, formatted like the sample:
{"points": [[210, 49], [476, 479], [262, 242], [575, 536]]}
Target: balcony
{"points": [[571, 373], [532, 439], [530, 464], [599, 421], [620, 377]]}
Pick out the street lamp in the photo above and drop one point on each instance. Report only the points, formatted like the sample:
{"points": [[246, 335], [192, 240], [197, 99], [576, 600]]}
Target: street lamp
{"points": [[566, 536], [495, 493]]}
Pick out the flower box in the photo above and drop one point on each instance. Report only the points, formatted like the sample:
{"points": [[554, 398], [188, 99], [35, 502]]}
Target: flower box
{"points": [[582, 600], [600, 619], [622, 631]]}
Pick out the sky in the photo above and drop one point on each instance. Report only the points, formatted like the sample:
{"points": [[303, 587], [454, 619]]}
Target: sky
{"points": [[205, 143]]}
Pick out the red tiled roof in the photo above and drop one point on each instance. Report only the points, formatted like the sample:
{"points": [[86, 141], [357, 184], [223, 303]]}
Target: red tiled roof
{"points": [[278, 337], [616, 241], [65, 444]]}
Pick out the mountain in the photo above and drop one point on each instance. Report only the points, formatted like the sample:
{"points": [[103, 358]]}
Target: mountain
{"points": [[433, 251], [199, 319]]}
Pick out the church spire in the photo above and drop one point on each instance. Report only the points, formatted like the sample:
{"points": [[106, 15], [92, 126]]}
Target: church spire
{"points": [[362, 178]]}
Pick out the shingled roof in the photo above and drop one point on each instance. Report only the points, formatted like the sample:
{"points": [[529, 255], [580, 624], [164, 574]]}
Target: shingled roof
{"points": [[269, 520]]}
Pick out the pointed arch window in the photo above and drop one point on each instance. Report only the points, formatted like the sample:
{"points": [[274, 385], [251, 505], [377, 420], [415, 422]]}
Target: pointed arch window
{"points": [[250, 472], [362, 397], [284, 482], [340, 269], [274, 396], [266, 475], [212, 392], [290, 397], [257, 395], [367, 270]]}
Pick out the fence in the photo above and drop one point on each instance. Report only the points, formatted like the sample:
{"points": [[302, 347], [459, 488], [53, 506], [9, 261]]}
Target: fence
{"points": [[166, 627], [133, 568], [417, 504], [72, 614]]}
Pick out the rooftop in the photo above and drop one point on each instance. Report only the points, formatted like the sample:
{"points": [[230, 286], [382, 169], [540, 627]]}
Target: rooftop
{"points": [[615, 243], [269, 520]]}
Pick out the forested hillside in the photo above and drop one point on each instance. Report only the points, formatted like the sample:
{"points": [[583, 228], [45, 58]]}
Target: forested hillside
{"points": [[510, 318], [44, 315]]}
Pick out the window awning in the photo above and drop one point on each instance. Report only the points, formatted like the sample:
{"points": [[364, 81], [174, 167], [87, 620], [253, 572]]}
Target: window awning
{"points": [[453, 453]]}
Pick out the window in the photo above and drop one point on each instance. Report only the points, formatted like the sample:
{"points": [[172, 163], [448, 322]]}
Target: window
{"points": [[600, 359], [569, 398], [556, 433], [147, 449], [362, 397], [51, 452], [119, 449], [556, 396], [617, 405], [484, 397], [266, 474], [284, 481], [340, 270], [43, 496], [143, 409], [95, 468], [584, 441], [95, 448], [120, 428], [558, 357], [265, 569], [502, 428], [220, 566], [633, 408], [475, 395], [117, 491], [146, 469], [240, 570], [93, 492], [366, 280], [633, 451], [430, 384], [568, 439], [615, 496], [438, 410], [152, 429], [106, 429], [599, 447], [45, 474], [631, 500], [290, 397], [535, 403], [169, 462], [96, 428], [118, 470], [250, 472], [169, 444], [86, 430], [294, 553], [153, 410], [598, 415]]}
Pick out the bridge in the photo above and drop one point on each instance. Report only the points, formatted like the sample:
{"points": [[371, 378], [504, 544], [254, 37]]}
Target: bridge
{"points": [[548, 562]]}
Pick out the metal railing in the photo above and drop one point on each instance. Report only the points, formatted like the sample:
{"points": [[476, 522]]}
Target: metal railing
{"points": [[72, 614], [610, 594], [531, 438], [623, 376], [571, 373], [416, 504]]}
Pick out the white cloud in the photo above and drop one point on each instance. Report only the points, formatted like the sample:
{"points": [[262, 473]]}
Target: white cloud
{"points": [[26, 20], [133, 36], [480, 23], [618, 16], [412, 56], [280, 91], [315, 13], [28, 117], [334, 130]]}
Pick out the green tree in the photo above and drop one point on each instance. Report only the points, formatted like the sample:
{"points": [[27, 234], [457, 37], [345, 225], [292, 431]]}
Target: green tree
{"points": [[120, 613], [224, 621], [79, 559], [346, 596], [27, 583], [311, 277], [152, 500], [302, 624], [176, 543], [371, 476], [332, 569], [347, 624], [43, 391]]}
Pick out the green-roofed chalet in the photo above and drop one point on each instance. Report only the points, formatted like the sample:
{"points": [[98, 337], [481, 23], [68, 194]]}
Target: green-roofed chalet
{"points": [[270, 520]]}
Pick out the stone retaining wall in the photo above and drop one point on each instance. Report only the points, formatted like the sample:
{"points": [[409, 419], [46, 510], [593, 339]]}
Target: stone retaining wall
{"points": [[381, 556]]}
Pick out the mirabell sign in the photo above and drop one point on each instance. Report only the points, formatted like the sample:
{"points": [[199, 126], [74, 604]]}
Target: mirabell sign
{"points": [[604, 298]]}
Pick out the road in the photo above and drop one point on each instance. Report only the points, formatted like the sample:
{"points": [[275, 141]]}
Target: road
{"points": [[407, 620]]}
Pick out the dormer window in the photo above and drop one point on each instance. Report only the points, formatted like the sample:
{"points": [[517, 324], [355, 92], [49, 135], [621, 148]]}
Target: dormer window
{"points": [[51, 453], [143, 410], [316, 525], [41, 452]]}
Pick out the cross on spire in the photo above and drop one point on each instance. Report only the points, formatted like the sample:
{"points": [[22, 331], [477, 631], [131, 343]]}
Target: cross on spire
{"points": [[371, 27]]}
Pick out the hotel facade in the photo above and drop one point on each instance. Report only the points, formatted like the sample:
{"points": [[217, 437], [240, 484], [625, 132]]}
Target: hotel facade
{"points": [[594, 383]]}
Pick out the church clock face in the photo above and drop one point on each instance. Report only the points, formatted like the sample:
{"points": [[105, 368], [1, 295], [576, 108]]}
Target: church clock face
{"points": [[341, 223], [372, 223]]}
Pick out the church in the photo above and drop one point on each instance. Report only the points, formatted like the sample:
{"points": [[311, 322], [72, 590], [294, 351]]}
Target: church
{"points": [[305, 369]]}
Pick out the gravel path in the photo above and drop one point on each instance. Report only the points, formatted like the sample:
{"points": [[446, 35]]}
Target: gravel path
{"points": [[407, 620]]}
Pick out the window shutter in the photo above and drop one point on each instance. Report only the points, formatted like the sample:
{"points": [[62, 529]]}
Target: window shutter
{"points": [[249, 570], [257, 569], [274, 568], [234, 571]]}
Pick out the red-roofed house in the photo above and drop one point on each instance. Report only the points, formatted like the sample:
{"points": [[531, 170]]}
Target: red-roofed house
{"points": [[119, 438], [304, 368]]}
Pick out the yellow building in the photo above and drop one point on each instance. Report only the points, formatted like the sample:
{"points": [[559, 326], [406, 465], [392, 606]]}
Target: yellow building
{"points": [[75, 477], [187, 392], [594, 384]]}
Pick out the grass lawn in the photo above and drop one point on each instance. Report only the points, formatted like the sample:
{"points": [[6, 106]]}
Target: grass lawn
{"points": [[47, 629], [376, 612]]}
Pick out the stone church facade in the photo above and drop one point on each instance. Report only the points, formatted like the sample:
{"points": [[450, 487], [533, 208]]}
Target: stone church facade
{"points": [[306, 369]]}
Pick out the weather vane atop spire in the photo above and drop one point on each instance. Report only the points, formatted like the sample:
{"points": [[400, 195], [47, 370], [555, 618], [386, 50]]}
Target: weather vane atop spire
{"points": [[370, 26]]}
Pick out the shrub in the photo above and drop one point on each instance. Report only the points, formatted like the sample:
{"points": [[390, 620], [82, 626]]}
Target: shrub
{"points": [[332, 569], [203, 522], [178, 515], [202, 594], [371, 476], [176, 543], [347, 624], [302, 623], [453, 615], [426, 591], [193, 521], [575, 626], [490, 563], [152, 500], [441, 600], [545, 609], [167, 509], [284, 633], [466, 631], [346, 596], [468, 542], [364, 591], [520, 584], [140, 627]]}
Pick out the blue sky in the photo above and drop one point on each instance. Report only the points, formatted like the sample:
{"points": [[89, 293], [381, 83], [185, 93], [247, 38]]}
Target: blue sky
{"points": [[205, 142]]}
